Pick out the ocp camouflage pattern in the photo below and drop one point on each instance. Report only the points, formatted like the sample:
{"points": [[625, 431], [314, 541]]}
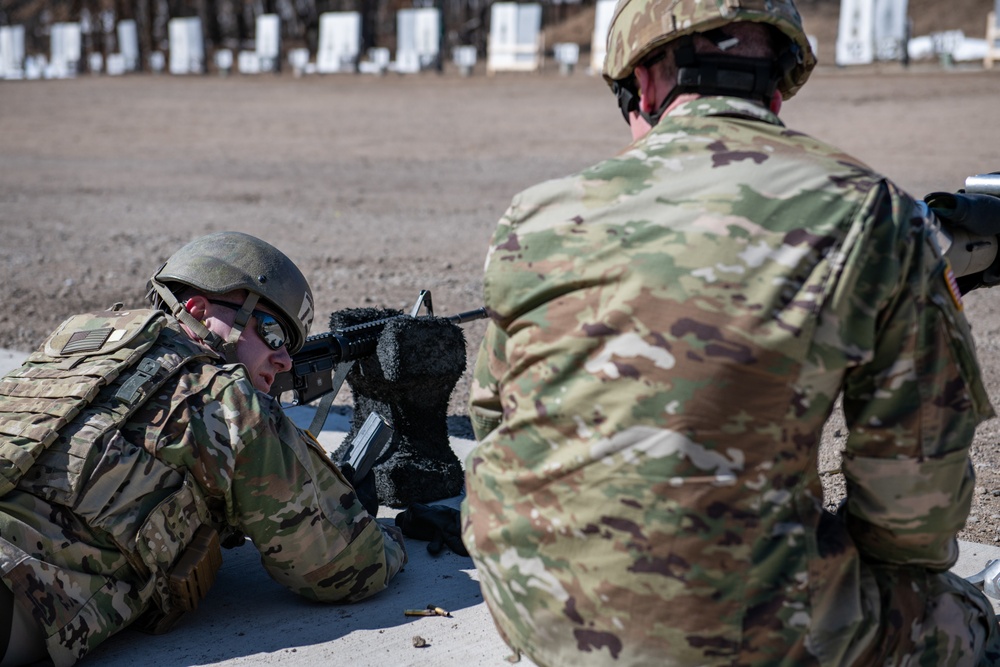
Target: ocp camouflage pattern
{"points": [[670, 331], [89, 533]]}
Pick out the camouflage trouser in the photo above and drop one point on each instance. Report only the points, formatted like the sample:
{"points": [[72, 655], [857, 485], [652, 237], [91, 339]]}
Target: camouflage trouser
{"points": [[910, 618], [930, 620]]}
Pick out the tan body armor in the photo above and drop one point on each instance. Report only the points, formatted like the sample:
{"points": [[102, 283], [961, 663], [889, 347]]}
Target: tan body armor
{"points": [[61, 415]]}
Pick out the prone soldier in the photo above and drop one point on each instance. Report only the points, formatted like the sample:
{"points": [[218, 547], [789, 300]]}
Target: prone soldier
{"points": [[134, 442]]}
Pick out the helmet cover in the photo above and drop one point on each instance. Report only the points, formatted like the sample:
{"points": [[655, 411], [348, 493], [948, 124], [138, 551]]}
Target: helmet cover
{"points": [[640, 27], [227, 261]]}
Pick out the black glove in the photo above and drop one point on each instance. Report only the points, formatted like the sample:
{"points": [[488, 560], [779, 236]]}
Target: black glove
{"points": [[439, 525], [973, 212], [977, 214], [363, 488]]}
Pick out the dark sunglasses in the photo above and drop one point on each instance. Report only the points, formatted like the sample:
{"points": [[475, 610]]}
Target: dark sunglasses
{"points": [[268, 327], [628, 99]]}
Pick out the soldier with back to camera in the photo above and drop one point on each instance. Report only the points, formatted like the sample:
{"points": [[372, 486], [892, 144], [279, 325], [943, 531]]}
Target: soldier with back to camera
{"points": [[134, 442], [670, 331]]}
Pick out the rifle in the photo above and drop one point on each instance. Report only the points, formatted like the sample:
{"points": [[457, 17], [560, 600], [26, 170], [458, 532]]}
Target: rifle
{"points": [[320, 367]]}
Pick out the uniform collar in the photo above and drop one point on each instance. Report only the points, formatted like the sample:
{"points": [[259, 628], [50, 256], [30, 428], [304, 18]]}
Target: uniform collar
{"points": [[724, 106]]}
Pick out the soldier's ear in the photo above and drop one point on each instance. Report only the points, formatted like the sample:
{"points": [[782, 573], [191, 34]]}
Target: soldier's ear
{"points": [[198, 307], [646, 82]]}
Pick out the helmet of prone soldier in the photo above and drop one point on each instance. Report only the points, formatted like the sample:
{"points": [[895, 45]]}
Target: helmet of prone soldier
{"points": [[227, 261], [639, 28]]}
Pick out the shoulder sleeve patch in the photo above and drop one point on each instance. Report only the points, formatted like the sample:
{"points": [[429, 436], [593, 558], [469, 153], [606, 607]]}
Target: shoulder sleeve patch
{"points": [[952, 283]]}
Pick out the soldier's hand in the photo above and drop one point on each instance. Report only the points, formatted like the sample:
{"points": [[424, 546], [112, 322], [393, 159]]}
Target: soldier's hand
{"points": [[973, 223]]}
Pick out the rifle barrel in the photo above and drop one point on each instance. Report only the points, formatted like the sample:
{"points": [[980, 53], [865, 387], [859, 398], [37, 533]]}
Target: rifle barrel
{"points": [[313, 365], [468, 316]]}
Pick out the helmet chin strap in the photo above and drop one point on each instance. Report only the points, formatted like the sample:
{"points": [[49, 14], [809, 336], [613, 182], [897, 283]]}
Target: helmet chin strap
{"points": [[721, 74], [239, 324], [226, 348]]}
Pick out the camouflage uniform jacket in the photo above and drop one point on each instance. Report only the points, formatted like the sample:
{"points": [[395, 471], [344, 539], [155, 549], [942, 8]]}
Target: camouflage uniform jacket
{"points": [[85, 533], [670, 330]]}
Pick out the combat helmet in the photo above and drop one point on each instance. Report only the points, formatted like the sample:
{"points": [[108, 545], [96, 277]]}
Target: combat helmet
{"points": [[639, 28], [225, 261]]}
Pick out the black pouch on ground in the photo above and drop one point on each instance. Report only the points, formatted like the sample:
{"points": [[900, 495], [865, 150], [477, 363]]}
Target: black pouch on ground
{"points": [[438, 525]]}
